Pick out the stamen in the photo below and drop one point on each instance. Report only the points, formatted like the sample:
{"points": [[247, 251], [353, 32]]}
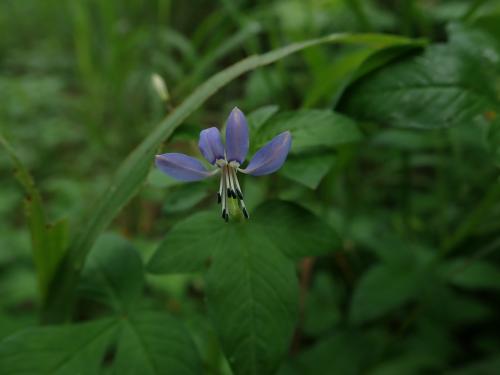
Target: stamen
{"points": [[225, 215], [228, 182], [232, 182], [219, 193], [236, 183], [243, 208]]}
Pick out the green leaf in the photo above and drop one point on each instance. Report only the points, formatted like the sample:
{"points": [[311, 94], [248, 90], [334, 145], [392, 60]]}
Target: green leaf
{"points": [[311, 129], [472, 274], [355, 62], [113, 273], [189, 244], [48, 241], [147, 343], [153, 343], [447, 85], [132, 173], [251, 284], [252, 296], [260, 116], [295, 231], [184, 197], [292, 229], [382, 289], [60, 350], [307, 169]]}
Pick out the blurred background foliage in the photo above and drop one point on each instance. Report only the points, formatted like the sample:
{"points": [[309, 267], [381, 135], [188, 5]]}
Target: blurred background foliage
{"points": [[414, 286]]}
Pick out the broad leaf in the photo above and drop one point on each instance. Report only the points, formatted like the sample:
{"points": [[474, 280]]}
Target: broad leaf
{"points": [[61, 350], [113, 273], [446, 85], [311, 129], [293, 230], [354, 63], [152, 343], [308, 169], [260, 116], [251, 284], [189, 244], [252, 296]]}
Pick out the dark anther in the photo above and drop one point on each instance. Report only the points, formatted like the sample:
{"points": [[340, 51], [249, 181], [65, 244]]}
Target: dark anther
{"points": [[240, 194]]}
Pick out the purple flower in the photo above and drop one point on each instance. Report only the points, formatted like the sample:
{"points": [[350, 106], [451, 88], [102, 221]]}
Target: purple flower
{"points": [[228, 160]]}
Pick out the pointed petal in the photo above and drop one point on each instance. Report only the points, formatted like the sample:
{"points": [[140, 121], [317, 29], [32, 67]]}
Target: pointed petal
{"points": [[271, 157], [237, 136], [210, 144], [181, 167]]}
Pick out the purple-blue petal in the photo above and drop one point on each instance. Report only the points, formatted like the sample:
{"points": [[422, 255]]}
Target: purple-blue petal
{"points": [[181, 167], [271, 157], [210, 144], [237, 141]]}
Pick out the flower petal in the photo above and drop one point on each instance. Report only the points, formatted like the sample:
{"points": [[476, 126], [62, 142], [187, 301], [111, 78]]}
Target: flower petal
{"points": [[271, 157], [181, 167], [210, 144], [237, 141]]}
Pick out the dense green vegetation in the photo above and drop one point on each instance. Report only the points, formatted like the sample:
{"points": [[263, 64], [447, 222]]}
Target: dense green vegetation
{"points": [[373, 250]]}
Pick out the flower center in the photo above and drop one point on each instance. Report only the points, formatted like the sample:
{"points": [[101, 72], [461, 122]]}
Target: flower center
{"points": [[229, 187]]}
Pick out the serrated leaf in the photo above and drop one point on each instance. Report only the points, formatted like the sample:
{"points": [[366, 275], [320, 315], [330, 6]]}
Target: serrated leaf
{"points": [[355, 62], [311, 129], [445, 86], [152, 343], [113, 273], [57, 350], [252, 296], [251, 283]]}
